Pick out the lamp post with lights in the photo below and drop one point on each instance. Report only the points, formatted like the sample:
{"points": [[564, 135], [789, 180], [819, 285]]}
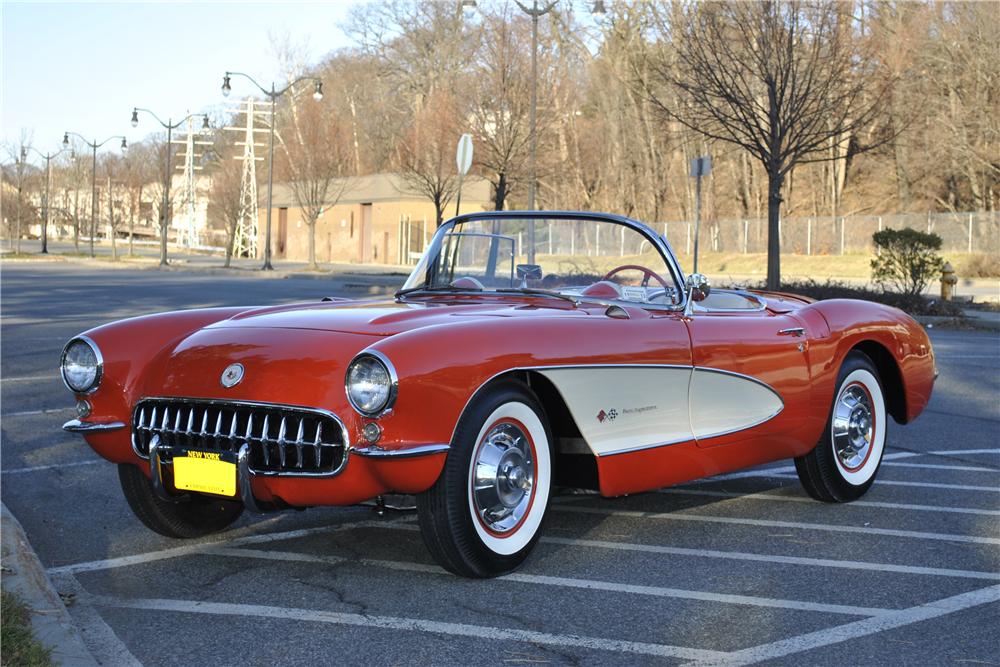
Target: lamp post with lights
{"points": [[165, 206], [48, 185], [94, 145], [273, 96]]}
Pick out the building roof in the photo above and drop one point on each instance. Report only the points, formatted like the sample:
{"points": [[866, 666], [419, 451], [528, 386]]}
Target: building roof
{"points": [[381, 188]]}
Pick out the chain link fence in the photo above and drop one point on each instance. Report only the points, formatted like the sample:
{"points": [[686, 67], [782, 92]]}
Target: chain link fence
{"points": [[959, 232]]}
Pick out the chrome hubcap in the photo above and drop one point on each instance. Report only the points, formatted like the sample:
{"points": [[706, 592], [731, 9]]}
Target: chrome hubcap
{"points": [[853, 427], [504, 478]]}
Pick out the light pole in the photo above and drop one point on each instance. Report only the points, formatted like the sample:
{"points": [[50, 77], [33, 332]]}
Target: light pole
{"points": [[272, 95], [535, 13], [165, 206], [94, 145], [48, 184]]}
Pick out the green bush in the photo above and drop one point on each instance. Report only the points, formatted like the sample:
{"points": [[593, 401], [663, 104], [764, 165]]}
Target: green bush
{"points": [[908, 260]]}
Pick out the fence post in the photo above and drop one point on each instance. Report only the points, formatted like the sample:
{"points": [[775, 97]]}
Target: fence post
{"points": [[550, 238], [878, 248], [621, 252], [843, 224], [688, 246], [928, 222], [597, 240], [746, 233], [970, 233], [809, 236]]}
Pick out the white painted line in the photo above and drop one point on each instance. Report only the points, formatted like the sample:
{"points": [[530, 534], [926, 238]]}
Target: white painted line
{"points": [[739, 521], [411, 625], [19, 471], [586, 584], [32, 378], [850, 631], [27, 413], [810, 501], [187, 550], [893, 482], [933, 466], [950, 452], [97, 635], [772, 559]]}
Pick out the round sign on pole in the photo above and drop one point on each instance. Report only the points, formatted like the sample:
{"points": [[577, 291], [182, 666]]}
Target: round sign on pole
{"points": [[464, 155]]}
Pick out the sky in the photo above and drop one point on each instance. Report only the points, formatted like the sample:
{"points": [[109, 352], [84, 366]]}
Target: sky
{"points": [[82, 66]]}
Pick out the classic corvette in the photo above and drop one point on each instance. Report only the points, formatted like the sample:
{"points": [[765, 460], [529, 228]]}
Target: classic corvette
{"points": [[526, 352]]}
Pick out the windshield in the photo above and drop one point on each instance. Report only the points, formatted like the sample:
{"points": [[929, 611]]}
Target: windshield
{"points": [[574, 257]]}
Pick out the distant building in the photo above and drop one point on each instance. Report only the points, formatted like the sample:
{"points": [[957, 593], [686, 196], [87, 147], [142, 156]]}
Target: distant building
{"points": [[379, 219]]}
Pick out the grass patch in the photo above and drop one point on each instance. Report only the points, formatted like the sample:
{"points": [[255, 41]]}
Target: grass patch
{"points": [[913, 305], [17, 645]]}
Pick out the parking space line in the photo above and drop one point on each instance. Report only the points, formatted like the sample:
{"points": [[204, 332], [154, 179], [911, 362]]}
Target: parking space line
{"points": [[893, 482], [935, 466], [740, 521], [102, 642], [806, 500], [763, 558], [856, 629], [19, 471], [948, 452], [409, 624], [192, 549], [567, 582], [32, 378], [28, 413]]}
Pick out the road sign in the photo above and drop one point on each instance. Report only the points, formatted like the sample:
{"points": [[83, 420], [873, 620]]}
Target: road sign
{"points": [[464, 155], [701, 166]]}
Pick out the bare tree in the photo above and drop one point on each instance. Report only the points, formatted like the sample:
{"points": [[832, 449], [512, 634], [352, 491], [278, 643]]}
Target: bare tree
{"points": [[785, 81], [427, 152], [18, 176], [317, 155], [225, 202]]}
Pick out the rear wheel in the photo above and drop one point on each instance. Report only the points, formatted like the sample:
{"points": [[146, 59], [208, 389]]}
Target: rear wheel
{"points": [[844, 464], [194, 516], [483, 516]]}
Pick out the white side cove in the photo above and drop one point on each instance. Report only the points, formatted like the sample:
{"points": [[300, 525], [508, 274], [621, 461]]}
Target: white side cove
{"points": [[628, 408]]}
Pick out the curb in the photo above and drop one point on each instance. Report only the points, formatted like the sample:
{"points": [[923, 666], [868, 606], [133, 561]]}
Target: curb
{"points": [[968, 322], [24, 575]]}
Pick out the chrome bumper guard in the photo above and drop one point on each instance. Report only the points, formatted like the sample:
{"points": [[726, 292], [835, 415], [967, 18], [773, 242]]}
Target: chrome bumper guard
{"points": [[77, 426]]}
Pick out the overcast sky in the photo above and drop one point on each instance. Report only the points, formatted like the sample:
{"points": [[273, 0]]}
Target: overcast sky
{"points": [[82, 66]]}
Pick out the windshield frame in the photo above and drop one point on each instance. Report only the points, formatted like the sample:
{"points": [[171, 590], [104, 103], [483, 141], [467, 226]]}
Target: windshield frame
{"points": [[656, 240]]}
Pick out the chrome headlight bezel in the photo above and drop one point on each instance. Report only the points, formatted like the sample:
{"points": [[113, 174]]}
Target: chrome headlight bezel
{"points": [[392, 387], [92, 386]]}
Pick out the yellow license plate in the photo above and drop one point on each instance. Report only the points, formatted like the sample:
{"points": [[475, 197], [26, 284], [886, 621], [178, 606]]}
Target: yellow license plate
{"points": [[205, 472]]}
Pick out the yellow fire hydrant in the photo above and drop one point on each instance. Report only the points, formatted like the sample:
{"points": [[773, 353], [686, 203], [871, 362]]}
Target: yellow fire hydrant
{"points": [[948, 281]]}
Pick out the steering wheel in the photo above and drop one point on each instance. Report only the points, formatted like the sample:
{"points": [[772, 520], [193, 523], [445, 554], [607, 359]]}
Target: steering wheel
{"points": [[646, 274]]}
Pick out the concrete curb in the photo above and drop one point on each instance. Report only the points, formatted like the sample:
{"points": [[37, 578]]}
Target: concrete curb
{"points": [[969, 322], [25, 576]]}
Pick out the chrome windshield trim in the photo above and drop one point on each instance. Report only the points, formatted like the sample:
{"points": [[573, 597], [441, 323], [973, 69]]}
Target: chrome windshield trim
{"points": [[656, 240], [77, 426], [422, 450]]}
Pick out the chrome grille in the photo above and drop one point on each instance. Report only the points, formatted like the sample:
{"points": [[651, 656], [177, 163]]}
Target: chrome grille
{"points": [[283, 439]]}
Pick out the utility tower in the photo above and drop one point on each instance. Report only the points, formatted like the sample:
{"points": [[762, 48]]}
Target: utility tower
{"points": [[245, 241], [187, 235]]}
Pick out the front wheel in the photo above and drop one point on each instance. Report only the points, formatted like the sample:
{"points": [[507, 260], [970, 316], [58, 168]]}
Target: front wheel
{"points": [[194, 516], [842, 467], [483, 515]]}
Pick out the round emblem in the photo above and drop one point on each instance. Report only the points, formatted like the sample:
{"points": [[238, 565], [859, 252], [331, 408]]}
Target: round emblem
{"points": [[232, 375]]}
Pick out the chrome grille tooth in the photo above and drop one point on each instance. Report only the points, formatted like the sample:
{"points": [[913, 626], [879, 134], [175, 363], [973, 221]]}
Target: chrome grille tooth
{"points": [[298, 441], [177, 420], [166, 418], [232, 427], [152, 418], [266, 428], [317, 443], [281, 441], [190, 428], [263, 440], [142, 417], [218, 425], [204, 423]]}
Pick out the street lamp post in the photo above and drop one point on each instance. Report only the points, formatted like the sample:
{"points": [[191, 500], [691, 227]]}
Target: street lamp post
{"points": [[535, 13], [48, 185], [273, 96], [94, 145], [165, 206]]}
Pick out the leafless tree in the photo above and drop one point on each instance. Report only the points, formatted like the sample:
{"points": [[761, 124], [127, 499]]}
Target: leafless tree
{"points": [[785, 81], [225, 202], [427, 152]]}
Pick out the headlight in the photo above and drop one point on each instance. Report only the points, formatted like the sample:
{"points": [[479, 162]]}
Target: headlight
{"points": [[371, 384], [81, 365]]}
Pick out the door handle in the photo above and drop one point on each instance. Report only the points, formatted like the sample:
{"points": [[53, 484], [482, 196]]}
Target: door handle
{"points": [[792, 331]]}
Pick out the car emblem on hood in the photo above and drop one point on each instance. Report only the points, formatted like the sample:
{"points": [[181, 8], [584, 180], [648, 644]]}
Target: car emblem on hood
{"points": [[232, 375]]}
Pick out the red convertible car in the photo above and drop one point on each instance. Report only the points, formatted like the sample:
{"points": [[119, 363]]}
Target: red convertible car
{"points": [[526, 352]]}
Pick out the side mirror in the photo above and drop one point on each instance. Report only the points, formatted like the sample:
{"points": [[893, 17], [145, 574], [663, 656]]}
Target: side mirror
{"points": [[528, 272], [697, 287]]}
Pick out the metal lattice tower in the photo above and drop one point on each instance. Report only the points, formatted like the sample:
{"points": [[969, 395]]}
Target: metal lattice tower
{"points": [[245, 241], [188, 235]]}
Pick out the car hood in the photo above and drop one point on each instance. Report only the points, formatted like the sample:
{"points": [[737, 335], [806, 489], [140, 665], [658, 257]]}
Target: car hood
{"points": [[387, 318]]}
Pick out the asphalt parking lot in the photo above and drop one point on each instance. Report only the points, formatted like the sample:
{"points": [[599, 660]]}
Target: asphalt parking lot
{"points": [[743, 569]]}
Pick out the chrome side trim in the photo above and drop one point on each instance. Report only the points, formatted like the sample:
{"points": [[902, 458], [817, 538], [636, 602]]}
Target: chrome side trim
{"points": [[77, 426], [100, 364], [393, 386], [394, 454], [643, 448]]}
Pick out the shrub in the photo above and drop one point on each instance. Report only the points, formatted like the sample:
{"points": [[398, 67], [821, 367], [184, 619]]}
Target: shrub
{"points": [[908, 261]]}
